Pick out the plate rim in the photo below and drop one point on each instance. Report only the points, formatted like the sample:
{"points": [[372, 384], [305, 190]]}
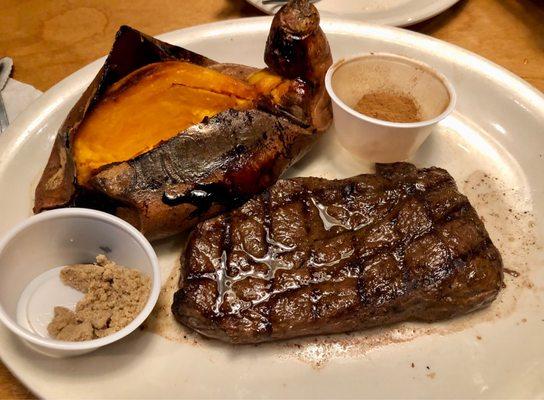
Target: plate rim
{"points": [[404, 20], [50, 99]]}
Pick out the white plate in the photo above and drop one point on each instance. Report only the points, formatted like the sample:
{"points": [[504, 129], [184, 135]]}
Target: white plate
{"points": [[493, 145], [381, 12]]}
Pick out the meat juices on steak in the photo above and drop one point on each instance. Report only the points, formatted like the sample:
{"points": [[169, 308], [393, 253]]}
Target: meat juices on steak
{"points": [[315, 256]]}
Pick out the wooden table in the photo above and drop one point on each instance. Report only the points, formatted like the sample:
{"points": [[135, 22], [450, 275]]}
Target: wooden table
{"points": [[50, 39]]}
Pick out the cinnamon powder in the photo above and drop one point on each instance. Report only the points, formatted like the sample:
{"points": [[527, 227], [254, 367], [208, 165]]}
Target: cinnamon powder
{"points": [[389, 106]]}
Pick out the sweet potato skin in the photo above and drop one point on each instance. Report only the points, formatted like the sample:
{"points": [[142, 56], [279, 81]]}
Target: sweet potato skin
{"points": [[207, 169], [131, 50]]}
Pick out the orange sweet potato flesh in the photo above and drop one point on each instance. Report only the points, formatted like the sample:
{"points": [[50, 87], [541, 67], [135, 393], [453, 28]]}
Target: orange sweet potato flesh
{"points": [[152, 105]]}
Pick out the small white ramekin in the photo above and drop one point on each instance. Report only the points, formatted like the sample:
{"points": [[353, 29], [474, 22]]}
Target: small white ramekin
{"points": [[376, 140], [64, 237]]}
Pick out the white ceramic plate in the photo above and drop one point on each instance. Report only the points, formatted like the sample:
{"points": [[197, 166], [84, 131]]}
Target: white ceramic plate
{"points": [[493, 145], [381, 12]]}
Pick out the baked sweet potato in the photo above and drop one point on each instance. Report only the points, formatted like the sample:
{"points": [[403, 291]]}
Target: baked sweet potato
{"points": [[164, 137]]}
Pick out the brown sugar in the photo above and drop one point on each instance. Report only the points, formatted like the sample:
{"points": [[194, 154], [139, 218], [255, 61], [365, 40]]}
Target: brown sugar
{"points": [[389, 106], [65, 326], [114, 296]]}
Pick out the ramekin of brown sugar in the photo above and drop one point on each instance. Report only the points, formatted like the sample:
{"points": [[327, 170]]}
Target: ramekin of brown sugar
{"points": [[31, 256]]}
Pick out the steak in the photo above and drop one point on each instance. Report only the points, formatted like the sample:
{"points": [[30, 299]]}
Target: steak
{"points": [[316, 256]]}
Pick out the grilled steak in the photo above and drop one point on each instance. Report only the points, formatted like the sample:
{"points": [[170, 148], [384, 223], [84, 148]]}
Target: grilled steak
{"points": [[316, 256]]}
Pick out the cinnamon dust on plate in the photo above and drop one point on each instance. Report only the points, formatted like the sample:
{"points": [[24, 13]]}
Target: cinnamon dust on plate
{"points": [[389, 106]]}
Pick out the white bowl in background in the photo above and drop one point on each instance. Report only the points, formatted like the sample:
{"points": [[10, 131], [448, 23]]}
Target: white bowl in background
{"points": [[377, 140], [58, 238]]}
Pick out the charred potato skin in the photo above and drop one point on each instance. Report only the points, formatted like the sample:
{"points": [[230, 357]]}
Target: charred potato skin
{"points": [[131, 50], [225, 164]]}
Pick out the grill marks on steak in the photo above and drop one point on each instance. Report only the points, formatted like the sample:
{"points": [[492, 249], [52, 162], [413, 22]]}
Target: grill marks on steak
{"points": [[315, 256]]}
